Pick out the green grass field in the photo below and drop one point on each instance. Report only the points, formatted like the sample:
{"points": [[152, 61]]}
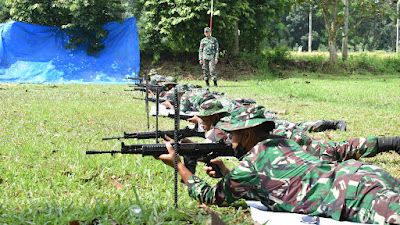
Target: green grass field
{"points": [[45, 129]]}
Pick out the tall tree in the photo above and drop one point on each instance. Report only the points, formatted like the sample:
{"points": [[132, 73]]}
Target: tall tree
{"points": [[332, 11], [345, 30]]}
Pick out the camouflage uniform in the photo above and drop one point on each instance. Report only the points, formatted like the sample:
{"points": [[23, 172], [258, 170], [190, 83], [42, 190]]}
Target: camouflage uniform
{"points": [[156, 79], [191, 100], [310, 126], [353, 148], [228, 104], [284, 178], [209, 51]]}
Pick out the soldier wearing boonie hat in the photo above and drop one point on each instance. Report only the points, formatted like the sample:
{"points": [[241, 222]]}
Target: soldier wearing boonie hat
{"points": [[246, 117], [152, 72], [211, 107], [284, 178], [169, 82]]}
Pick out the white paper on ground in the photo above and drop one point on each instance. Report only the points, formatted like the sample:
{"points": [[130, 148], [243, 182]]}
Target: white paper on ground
{"points": [[164, 111], [262, 214]]}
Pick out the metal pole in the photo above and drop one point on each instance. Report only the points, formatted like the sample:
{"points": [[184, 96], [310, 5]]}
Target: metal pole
{"points": [[397, 28], [212, 5], [310, 29]]}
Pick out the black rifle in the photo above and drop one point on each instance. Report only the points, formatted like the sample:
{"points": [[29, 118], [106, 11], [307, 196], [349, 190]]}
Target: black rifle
{"points": [[181, 117], [152, 88], [245, 101], [140, 79], [202, 151], [150, 99], [183, 133], [217, 93]]}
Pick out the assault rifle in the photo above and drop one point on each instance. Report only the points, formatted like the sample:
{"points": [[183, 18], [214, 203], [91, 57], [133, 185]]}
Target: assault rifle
{"points": [[183, 133], [149, 99], [217, 93], [245, 101], [152, 88], [202, 151], [140, 79]]}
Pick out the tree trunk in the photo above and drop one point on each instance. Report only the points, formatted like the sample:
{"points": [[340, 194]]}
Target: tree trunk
{"points": [[345, 30], [236, 36], [310, 29], [332, 49]]}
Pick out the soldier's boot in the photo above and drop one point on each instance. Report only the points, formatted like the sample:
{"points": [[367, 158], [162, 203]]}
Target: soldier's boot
{"points": [[385, 144], [215, 83], [335, 125], [207, 83]]}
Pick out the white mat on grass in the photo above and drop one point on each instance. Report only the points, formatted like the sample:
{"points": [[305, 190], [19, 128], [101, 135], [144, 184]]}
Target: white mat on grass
{"points": [[262, 214], [164, 111]]}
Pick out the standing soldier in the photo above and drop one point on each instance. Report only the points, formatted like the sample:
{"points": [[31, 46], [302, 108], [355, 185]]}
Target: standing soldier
{"points": [[208, 56]]}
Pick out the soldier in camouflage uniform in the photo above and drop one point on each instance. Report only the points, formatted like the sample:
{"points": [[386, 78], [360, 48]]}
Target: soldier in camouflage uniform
{"points": [[212, 112], [169, 83], [208, 56], [155, 78], [284, 178], [191, 100]]}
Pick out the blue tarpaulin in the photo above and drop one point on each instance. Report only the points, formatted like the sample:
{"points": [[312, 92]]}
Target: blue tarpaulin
{"points": [[36, 54]]}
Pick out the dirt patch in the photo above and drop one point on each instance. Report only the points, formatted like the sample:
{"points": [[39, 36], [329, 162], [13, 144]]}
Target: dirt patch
{"points": [[188, 67]]}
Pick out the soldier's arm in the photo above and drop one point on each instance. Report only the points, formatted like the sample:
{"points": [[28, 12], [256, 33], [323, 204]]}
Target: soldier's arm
{"points": [[201, 50], [243, 177], [216, 49]]}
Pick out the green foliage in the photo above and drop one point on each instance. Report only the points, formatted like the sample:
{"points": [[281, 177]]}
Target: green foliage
{"points": [[177, 26], [83, 19]]}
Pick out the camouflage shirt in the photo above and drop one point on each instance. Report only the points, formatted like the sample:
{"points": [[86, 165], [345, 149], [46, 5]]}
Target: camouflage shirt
{"points": [[284, 178], [209, 49], [191, 100], [156, 79]]}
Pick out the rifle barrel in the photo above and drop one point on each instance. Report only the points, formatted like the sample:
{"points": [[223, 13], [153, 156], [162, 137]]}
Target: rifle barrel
{"points": [[89, 152]]}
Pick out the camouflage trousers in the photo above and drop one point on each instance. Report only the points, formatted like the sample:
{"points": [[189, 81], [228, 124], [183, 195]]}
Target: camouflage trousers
{"points": [[353, 148], [310, 126], [209, 69], [372, 196]]}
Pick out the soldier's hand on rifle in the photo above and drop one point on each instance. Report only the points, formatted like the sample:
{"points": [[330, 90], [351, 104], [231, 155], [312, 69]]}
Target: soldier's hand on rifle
{"points": [[209, 170], [216, 61], [194, 119], [201, 62], [185, 140], [169, 160], [151, 93], [168, 104], [168, 139]]}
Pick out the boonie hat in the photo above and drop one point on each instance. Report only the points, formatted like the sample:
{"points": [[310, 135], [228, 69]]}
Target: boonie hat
{"points": [[245, 117], [182, 87], [207, 29], [169, 80], [211, 107], [152, 72]]}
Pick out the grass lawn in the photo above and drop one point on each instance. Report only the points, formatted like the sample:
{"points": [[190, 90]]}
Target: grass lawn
{"points": [[45, 129]]}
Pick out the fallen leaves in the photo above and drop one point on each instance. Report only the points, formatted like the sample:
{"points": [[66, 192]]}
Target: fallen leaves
{"points": [[118, 185]]}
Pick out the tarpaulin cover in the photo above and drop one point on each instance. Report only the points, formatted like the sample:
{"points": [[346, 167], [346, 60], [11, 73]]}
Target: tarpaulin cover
{"points": [[36, 54]]}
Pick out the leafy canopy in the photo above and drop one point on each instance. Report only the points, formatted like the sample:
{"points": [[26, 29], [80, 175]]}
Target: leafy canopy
{"points": [[83, 19]]}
